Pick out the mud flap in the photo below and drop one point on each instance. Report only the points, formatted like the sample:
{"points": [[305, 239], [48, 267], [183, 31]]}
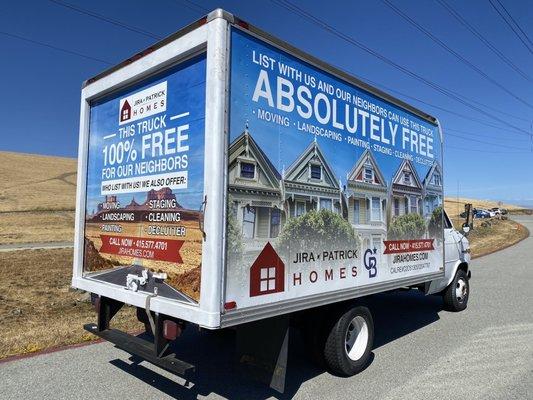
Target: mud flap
{"points": [[262, 350]]}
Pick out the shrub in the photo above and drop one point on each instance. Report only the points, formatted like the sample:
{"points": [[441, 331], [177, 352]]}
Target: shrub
{"points": [[435, 223], [317, 230], [235, 245], [408, 226]]}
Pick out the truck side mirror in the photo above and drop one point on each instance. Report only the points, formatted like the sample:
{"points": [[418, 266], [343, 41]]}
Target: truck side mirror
{"points": [[466, 228]]}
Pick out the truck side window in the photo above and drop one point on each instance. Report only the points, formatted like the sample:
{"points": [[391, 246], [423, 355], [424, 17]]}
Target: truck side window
{"points": [[447, 222]]}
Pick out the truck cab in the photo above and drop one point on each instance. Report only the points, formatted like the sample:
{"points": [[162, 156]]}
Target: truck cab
{"points": [[454, 286]]}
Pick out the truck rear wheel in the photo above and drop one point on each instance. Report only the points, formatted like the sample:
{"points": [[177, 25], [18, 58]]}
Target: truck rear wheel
{"points": [[456, 294], [349, 342]]}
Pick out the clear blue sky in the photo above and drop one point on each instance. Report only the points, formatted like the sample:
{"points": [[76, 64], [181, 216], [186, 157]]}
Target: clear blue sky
{"points": [[39, 101]]}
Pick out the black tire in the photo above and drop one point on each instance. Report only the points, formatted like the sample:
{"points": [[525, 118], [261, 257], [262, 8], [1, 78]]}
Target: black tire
{"points": [[357, 319], [452, 300]]}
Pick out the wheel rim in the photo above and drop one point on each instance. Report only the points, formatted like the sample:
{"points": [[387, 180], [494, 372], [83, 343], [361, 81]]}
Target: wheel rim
{"points": [[461, 290], [356, 338]]}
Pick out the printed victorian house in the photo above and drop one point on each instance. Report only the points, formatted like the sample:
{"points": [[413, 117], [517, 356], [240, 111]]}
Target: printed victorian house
{"points": [[254, 185], [406, 190], [367, 199], [310, 184], [432, 193]]}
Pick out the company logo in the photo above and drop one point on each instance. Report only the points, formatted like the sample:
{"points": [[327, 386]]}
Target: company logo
{"points": [[267, 273], [147, 102], [371, 262]]}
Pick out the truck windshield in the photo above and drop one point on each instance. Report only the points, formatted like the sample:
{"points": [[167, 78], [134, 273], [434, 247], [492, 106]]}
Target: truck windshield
{"points": [[447, 222]]}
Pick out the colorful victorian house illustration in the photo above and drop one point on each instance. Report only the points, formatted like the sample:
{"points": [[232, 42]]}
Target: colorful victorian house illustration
{"points": [[254, 185], [310, 184], [406, 190], [367, 200], [432, 189]]}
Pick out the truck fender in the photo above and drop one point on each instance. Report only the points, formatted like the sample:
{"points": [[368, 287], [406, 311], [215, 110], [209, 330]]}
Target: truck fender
{"points": [[439, 285]]}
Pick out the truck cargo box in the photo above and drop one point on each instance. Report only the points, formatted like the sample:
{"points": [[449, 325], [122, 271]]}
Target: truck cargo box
{"points": [[231, 177]]}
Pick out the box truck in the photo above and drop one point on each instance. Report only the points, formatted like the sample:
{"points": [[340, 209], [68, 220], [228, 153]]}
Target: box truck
{"points": [[228, 179]]}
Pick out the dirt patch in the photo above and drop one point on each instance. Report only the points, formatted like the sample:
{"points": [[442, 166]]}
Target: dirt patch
{"points": [[492, 235], [39, 310], [488, 235], [36, 226]]}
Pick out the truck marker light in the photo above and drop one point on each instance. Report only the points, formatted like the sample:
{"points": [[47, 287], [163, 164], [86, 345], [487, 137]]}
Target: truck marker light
{"points": [[230, 305], [139, 55], [243, 24], [171, 330]]}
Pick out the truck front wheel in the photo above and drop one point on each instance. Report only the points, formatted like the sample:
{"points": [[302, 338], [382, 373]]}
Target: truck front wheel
{"points": [[456, 294], [349, 342]]}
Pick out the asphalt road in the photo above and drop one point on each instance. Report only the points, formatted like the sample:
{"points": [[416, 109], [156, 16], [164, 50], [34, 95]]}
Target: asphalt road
{"points": [[35, 246], [421, 351]]}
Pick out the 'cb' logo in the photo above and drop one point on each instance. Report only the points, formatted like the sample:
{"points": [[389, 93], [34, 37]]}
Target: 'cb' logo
{"points": [[371, 262]]}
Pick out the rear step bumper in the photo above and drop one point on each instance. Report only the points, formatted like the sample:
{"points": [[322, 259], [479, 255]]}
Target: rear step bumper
{"points": [[141, 348]]}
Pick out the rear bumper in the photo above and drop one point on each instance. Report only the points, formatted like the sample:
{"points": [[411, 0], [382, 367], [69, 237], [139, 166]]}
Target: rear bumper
{"points": [[141, 348]]}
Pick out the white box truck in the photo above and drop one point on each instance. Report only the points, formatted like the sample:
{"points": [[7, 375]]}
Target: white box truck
{"points": [[226, 177]]}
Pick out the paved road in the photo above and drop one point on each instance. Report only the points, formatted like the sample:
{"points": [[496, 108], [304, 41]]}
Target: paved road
{"points": [[35, 246], [485, 352]]}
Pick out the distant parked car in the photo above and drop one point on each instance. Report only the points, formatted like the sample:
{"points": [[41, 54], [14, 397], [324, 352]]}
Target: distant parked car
{"points": [[482, 214], [499, 211]]}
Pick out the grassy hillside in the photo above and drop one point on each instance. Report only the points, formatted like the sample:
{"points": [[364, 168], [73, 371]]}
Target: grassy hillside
{"points": [[36, 183], [37, 198], [454, 206]]}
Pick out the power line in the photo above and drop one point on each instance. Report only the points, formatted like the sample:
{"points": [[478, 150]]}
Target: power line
{"points": [[71, 52], [304, 14], [106, 19], [510, 25], [454, 53], [467, 117], [482, 141], [481, 135], [467, 149], [454, 13], [193, 6], [514, 22]]}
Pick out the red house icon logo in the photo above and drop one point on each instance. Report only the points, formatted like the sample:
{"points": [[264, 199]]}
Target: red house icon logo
{"points": [[125, 111], [267, 273]]}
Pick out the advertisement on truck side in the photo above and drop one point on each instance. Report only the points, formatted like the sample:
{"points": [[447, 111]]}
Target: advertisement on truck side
{"points": [[145, 182], [329, 186]]}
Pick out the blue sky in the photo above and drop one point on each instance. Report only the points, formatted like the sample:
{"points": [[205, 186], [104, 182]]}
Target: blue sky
{"points": [[39, 106]]}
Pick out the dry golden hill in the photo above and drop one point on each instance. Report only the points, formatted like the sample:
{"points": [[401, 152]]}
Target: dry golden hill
{"points": [[37, 183], [454, 206]]}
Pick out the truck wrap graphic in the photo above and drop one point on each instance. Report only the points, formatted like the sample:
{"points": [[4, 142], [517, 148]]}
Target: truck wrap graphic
{"points": [[145, 184], [329, 186]]}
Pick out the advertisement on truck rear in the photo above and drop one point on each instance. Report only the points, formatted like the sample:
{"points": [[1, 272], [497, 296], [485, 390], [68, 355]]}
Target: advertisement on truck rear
{"points": [[329, 186], [145, 182]]}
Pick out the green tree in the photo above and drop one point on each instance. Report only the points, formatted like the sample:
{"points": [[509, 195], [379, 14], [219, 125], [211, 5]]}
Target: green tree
{"points": [[235, 246], [408, 226], [317, 230], [435, 223]]}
